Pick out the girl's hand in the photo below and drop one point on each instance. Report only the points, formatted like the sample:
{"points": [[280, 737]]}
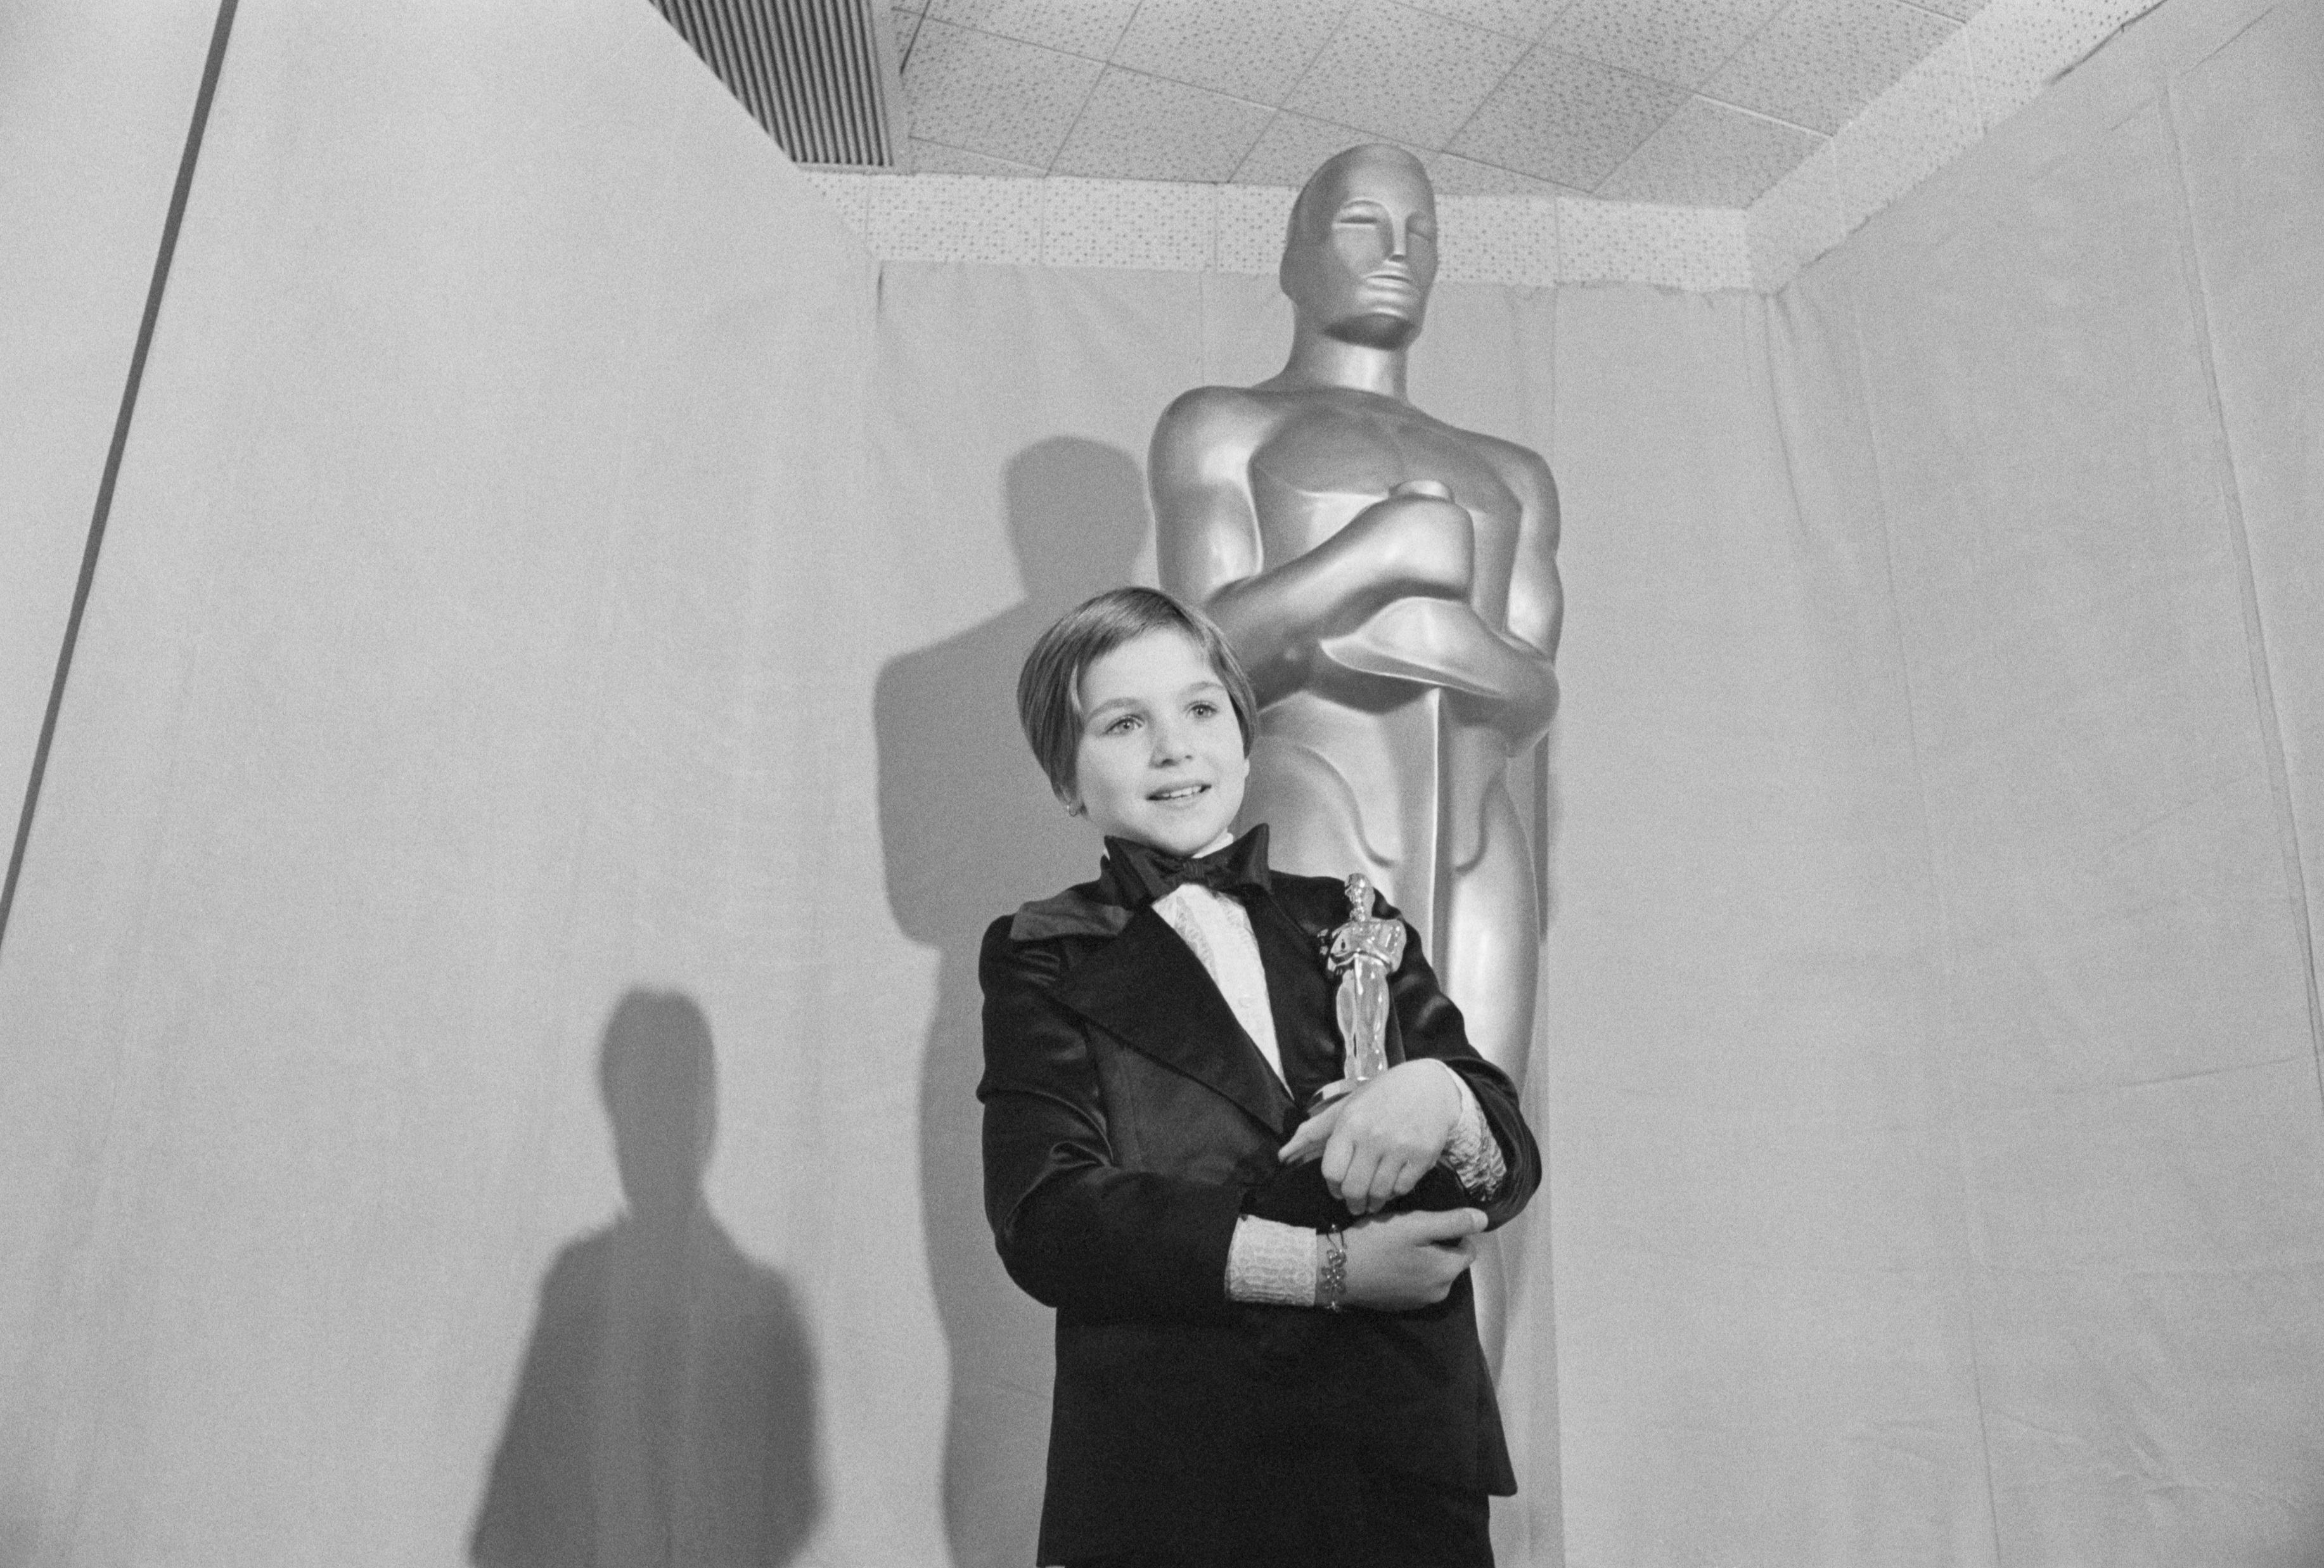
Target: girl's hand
{"points": [[1398, 1262], [1380, 1139]]}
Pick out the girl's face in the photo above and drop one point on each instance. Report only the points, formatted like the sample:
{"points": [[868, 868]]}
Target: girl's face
{"points": [[1161, 760]]}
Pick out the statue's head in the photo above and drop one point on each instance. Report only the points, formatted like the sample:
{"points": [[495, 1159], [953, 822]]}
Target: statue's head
{"points": [[1361, 252]]}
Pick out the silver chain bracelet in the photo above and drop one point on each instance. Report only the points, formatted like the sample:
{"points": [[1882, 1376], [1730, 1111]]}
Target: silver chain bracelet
{"points": [[1331, 1278]]}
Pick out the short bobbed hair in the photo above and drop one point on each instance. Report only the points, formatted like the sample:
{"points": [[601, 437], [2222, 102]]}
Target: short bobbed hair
{"points": [[1049, 687]]}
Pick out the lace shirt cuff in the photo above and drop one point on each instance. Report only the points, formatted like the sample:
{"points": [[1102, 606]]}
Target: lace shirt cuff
{"points": [[1472, 1154], [1270, 1264]]}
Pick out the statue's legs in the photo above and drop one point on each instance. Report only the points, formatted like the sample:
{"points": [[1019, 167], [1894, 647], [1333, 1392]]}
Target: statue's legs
{"points": [[1423, 809], [1490, 941], [1346, 790], [1489, 931], [1311, 814]]}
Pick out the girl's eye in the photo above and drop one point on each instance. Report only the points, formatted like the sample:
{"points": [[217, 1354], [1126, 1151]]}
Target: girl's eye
{"points": [[1203, 710], [1122, 725]]}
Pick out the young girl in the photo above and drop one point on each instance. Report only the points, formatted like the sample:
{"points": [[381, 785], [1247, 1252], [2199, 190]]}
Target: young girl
{"points": [[1231, 1389]]}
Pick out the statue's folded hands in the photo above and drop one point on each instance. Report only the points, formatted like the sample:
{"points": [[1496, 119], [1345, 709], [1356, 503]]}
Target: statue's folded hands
{"points": [[1444, 643]]}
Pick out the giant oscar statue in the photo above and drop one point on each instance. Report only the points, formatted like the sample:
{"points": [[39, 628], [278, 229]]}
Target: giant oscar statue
{"points": [[1391, 584]]}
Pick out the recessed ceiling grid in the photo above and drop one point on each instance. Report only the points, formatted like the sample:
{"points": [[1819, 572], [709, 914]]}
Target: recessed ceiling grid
{"points": [[1698, 103]]}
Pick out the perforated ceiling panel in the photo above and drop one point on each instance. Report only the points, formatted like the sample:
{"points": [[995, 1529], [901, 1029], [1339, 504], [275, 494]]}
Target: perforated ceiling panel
{"points": [[1563, 132], [1689, 103]]}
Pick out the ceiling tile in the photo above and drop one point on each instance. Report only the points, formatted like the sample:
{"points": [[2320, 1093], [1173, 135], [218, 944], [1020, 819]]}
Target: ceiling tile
{"points": [[994, 96], [1518, 18], [1566, 119], [850, 193], [1105, 223], [1819, 62], [1959, 10], [1456, 176], [945, 218], [1252, 219], [1230, 46], [1292, 148], [1403, 74], [1797, 220], [1710, 155], [1926, 121], [1141, 128], [2018, 45], [1673, 40], [1090, 27], [907, 24], [1498, 239], [936, 158], [1684, 248]]}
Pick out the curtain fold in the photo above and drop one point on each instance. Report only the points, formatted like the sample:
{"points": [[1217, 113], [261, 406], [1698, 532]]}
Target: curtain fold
{"points": [[544, 724]]}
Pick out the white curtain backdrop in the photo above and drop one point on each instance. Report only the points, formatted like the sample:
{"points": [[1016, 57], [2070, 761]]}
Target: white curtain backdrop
{"points": [[559, 610]]}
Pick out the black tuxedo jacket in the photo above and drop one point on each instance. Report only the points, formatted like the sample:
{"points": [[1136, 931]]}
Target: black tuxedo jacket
{"points": [[1128, 1121]]}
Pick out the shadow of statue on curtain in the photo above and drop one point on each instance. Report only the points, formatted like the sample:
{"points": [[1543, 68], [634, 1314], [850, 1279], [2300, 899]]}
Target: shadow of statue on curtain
{"points": [[666, 1412], [970, 830]]}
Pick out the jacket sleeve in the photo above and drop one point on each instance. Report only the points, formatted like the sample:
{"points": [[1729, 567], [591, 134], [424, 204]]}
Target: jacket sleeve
{"points": [[1431, 1026], [1073, 1229]]}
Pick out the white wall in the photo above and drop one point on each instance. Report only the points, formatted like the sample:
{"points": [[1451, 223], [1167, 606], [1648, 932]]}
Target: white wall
{"points": [[468, 651], [552, 561], [2071, 387], [94, 102]]}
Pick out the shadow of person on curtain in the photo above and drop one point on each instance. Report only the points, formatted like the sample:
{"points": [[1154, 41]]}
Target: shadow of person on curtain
{"points": [[666, 1413], [970, 830]]}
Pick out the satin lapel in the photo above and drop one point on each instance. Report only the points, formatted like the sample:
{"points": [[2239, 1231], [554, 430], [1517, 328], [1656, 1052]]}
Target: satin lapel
{"points": [[1146, 988], [1300, 992]]}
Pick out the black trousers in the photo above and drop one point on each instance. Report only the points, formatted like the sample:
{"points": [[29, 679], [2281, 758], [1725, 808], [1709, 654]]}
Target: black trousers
{"points": [[1316, 1515]]}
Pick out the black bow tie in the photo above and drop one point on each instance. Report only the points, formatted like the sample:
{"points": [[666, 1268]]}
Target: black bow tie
{"points": [[1147, 873]]}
